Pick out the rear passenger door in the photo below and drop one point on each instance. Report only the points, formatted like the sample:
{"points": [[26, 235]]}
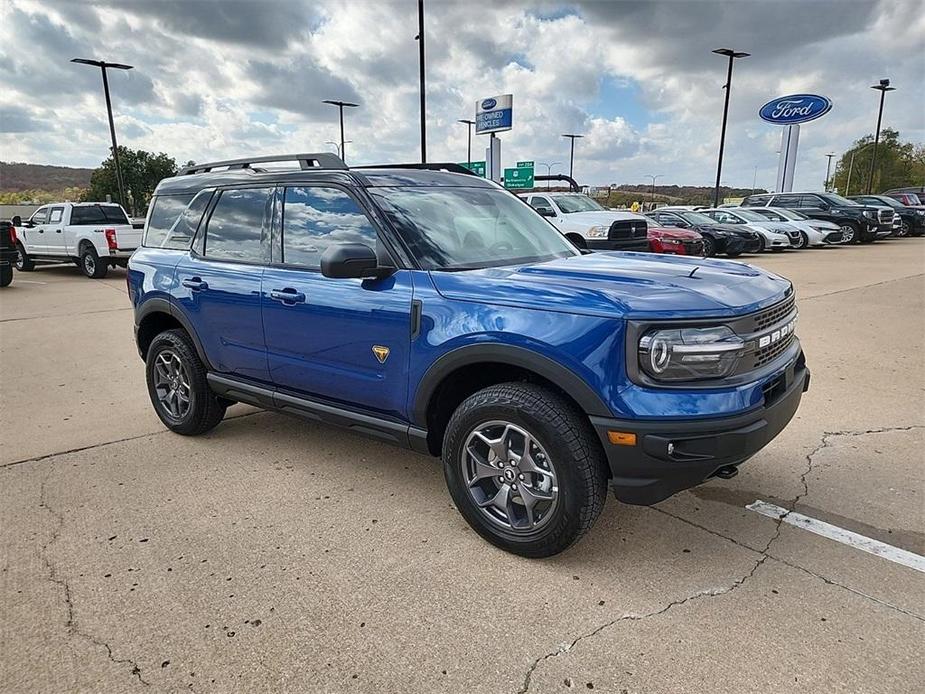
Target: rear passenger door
{"points": [[54, 231], [219, 281], [339, 340]]}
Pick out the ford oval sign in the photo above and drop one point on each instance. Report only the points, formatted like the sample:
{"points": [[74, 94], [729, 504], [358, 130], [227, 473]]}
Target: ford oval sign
{"points": [[796, 108], [489, 104]]}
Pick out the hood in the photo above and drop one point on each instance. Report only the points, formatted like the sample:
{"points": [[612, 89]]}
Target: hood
{"points": [[674, 233], [615, 285], [602, 217]]}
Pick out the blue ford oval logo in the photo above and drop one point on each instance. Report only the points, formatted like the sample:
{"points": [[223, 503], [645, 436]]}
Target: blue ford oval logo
{"points": [[796, 108], [489, 104]]}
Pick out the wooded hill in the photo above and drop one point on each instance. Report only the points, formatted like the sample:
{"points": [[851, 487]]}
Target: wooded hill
{"points": [[15, 176]]}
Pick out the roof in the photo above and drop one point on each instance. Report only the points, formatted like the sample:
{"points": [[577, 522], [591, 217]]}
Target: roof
{"points": [[363, 177]]}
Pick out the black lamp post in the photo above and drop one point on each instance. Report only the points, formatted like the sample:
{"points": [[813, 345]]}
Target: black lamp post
{"points": [[103, 65], [828, 169], [420, 38], [652, 189], [732, 55], [340, 106], [469, 124], [883, 88], [571, 156]]}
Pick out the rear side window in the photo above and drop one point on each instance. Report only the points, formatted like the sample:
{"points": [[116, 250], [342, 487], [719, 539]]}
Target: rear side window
{"points": [[315, 217], [165, 211], [787, 201], [86, 215], [237, 229], [56, 214]]}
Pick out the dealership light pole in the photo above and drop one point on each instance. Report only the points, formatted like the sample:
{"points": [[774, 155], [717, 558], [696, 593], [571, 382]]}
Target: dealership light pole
{"points": [[103, 65], [652, 193], [828, 170], [469, 123], [732, 55], [851, 167], [571, 156], [420, 39], [883, 88], [340, 107], [549, 169]]}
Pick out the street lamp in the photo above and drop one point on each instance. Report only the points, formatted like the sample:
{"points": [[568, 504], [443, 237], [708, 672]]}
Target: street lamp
{"points": [[883, 88], [420, 39], [652, 193], [851, 167], [469, 124], [732, 55], [103, 65], [571, 156], [549, 169], [340, 106], [828, 169], [337, 146]]}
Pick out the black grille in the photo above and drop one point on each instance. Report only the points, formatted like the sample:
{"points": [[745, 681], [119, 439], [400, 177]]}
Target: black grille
{"points": [[693, 247], [772, 351], [772, 315], [628, 229]]}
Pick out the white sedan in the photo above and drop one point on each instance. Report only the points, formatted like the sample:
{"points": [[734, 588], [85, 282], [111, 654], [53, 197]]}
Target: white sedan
{"points": [[816, 232], [776, 235]]}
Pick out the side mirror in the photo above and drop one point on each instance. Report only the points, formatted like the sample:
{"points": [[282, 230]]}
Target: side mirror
{"points": [[16, 221], [352, 261], [546, 212]]}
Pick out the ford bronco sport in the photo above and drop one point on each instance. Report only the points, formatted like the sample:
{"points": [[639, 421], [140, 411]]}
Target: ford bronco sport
{"points": [[432, 309]]}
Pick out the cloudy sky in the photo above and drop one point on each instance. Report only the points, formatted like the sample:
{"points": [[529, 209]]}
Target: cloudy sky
{"points": [[223, 79]]}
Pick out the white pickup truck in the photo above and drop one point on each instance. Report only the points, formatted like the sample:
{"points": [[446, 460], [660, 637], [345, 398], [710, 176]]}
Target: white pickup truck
{"points": [[94, 235], [589, 225]]}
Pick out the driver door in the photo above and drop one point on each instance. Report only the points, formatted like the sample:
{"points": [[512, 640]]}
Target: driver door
{"points": [[32, 233]]}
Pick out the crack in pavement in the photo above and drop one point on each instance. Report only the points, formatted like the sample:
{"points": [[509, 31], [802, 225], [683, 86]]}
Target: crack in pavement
{"points": [[764, 555], [863, 286], [60, 581]]}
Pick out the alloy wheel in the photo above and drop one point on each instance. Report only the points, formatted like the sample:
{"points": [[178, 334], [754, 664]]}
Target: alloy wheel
{"points": [[172, 384], [509, 476], [89, 264], [848, 233]]}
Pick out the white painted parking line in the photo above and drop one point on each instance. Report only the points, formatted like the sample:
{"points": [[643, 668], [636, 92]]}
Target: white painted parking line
{"points": [[31, 282], [846, 537]]}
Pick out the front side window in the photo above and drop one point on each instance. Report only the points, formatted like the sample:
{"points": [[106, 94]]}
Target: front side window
{"points": [[39, 216], [316, 217], [576, 203], [165, 211], [470, 228], [237, 229]]}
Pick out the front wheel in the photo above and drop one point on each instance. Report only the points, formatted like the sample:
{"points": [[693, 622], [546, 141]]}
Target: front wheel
{"points": [[6, 274], [91, 265], [804, 241], [23, 261], [178, 387], [849, 232], [709, 247], [524, 468]]}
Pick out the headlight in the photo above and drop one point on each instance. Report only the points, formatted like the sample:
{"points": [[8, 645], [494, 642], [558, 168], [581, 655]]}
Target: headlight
{"points": [[689, 354], [870, 213], [921, 213], [597, 232], [670, 241]]}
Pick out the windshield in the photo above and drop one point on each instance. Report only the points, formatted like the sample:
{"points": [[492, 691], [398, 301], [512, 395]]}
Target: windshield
{"points": [[695, 217], [888, 201], [839, 200], [470, 228], [576, 203], [749, 215], [914, 199]]}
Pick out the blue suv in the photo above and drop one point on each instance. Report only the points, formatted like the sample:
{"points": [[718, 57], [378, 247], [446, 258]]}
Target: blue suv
{"points": [[430, 308]]}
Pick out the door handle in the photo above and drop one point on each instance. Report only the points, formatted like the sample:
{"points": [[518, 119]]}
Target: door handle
{"points": [[41, 231], [195, 283], [287, 296], [57, 231]]}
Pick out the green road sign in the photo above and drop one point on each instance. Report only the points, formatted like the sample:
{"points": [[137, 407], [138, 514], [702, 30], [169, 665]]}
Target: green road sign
{"points": [[476, 167], [518, 178], [525, 165]]}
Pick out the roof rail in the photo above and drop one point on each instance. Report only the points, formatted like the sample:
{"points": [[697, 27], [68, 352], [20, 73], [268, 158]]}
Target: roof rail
{"points": [[322, 160], [452, 168]]}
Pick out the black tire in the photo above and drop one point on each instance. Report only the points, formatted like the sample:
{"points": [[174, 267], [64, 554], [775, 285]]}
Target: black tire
{"points": [[905, 229], [6, 274], [709, 247], [574, 454], [90, 263], [23, 261], [804, 241], [205, 409]]}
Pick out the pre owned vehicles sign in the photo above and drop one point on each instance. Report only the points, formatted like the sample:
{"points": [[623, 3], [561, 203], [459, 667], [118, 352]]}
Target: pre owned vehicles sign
{"points": [[494, 114], [795, 108]]}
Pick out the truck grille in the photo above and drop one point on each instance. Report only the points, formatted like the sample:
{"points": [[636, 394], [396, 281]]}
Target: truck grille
{"points": [[627, 230], [693, 247], [886, 216], [772, 351], [772, 315]]}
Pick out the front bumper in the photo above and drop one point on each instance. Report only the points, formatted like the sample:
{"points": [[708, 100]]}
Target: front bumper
{"points": [[670, 456], [618, 244]]}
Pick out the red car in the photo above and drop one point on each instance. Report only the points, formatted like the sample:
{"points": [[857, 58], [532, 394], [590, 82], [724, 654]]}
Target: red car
{"points": [[675, 241]]}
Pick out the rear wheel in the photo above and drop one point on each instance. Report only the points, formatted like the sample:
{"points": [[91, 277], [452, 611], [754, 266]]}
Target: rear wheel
{"points": [[91, 264], [524, 468], [23, 261], [178, 387]]}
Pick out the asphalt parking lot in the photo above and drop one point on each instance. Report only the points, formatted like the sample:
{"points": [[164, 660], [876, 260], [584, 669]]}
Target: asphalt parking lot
{"points": [[272, 554]]}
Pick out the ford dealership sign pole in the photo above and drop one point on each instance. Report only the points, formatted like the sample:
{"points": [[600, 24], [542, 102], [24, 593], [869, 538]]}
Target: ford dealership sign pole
{"points": [[790, 111], [494, 115]]}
